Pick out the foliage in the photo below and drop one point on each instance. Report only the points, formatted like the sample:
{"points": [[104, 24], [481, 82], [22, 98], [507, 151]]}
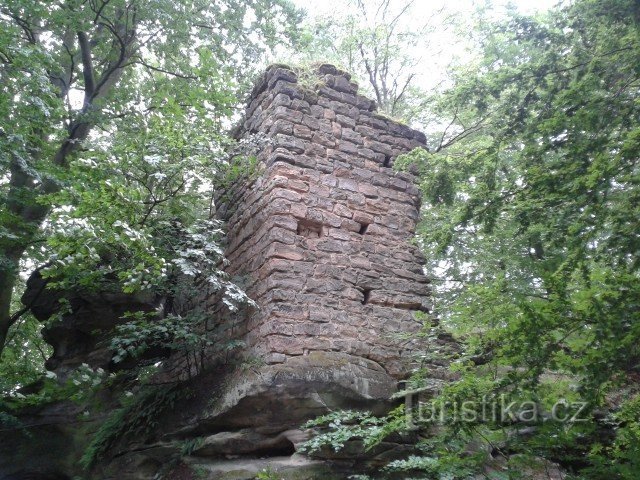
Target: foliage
{"points": [[267, 474], [22, 361], [621, 457], [79, 387], [191, 445], [530, 217], [342, 426]]}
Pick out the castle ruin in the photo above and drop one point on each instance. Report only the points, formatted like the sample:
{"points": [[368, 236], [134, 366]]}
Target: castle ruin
{"points": [[322, 236]]}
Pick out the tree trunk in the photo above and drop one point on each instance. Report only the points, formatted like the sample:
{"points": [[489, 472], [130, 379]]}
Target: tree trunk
{"points": [[8, 277], [24, 213]]}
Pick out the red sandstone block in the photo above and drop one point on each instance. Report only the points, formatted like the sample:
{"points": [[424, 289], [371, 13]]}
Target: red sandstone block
{"points": [[324, 166], [321, 191], [280, 73], [397, 184], [377, 146], [374, 166], [317, 111], [314, 329], [314, 150], [279, 250], [301, 105], [328, 113], [365, 104], [285, 113], [323, 139], [278, 295], [355, 199], [281, 126], [345, 121], [314, 215], [342, 211], [363, 218], [369, 154], [348, 147], [331, 220], [362, 174], [366, 131], [373, 120], [280, 99], [339, 234], [348, 184], [350, 111], [336, 130], [401, 130], [282, 235], [302, 132], [282, 344], [285, 171], [289, 142], [368, 190], [285, 88], [327, 245], [291, 311], [298, 210], [330, 180], [320, 315], [351, 225], [285, 282], [298, 186], [380, 180], [311, 121], [352, 136], [341, 84], [285, 193], [326, 126]]}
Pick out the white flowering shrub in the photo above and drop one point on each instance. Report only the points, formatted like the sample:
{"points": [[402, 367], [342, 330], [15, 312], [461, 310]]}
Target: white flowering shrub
{"points": [[147, 227]]}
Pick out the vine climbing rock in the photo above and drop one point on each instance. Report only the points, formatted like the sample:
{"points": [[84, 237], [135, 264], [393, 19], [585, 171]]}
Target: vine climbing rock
{"points": [[320, 234]]}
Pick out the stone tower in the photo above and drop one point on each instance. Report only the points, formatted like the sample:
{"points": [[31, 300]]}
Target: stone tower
{"points": [[322, 236]]}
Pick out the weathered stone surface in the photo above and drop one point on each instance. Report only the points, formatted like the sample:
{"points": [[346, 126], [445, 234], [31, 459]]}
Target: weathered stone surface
{"points": [[78, 337]]}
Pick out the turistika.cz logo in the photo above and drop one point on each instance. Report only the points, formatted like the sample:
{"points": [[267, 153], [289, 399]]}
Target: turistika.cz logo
{"points": [[498, 409]]}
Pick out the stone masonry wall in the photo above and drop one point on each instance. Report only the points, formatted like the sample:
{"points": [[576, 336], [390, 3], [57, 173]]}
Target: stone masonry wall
{"points": [[323, 233]]}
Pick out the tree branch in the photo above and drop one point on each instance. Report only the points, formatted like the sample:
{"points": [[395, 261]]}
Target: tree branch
{"points": [[87, 68], [162, 70], [23, 24]]}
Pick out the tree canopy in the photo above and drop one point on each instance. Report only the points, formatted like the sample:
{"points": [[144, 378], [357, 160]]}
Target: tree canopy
{"points": [[530, 227]]}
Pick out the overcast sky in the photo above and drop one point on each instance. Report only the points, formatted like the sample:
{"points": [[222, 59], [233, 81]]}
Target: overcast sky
{"points": [[443, 44]]}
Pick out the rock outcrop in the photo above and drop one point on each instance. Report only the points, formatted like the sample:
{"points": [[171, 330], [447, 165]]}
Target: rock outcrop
{"points": [[322, 236], [85, 321]]}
